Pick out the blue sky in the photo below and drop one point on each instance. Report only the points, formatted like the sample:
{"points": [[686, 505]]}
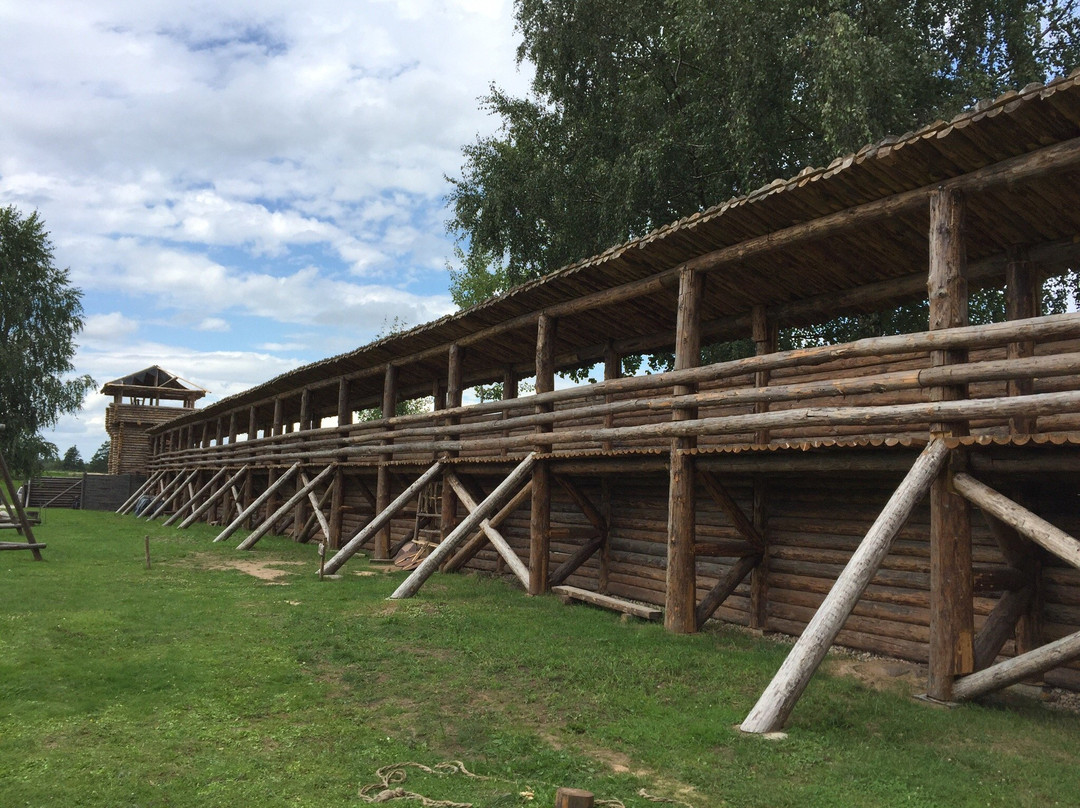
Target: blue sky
{"points": [[240, 188]]}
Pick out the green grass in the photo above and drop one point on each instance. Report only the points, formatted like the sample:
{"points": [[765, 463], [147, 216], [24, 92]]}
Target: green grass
{"points": [[194, 685]]}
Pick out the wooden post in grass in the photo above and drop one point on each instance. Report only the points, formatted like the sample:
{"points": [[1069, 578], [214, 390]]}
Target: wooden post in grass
{"points": [[680, 611], [952, 621], [146, 546], [540, 513]]}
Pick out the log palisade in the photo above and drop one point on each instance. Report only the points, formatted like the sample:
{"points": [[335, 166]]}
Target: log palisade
{"points": [[738, 490]]}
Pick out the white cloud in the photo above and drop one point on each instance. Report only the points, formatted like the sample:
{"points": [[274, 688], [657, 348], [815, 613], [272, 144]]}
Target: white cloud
{"points": [[244, 167]]}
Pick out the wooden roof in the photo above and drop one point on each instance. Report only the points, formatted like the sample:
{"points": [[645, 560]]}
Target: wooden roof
{"points": [[743, 243], [154, 382]]}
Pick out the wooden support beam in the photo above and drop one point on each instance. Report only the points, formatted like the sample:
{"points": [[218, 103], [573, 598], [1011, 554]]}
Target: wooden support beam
{"points": [[337, 513], [253, 423], [759, 575], [381, 549], [724, 587], [317, 504], [19, 517], [731, 509], [479, 539], [1022, 300], [779, 698], [540, 515], [765, 334], [1018, 668], [612, 370], [172, 491], [344, 411], [591, 512], [259, 500], [234, 427], [305, 409], [213, 498], [190, 502], [129, 503], [493, 535], [1017, 516], [381, 518], [682, 507], [279, 416], [454, 387], [952, 620], [999, 625], [467, 525], [289, 504], [575, 560]]}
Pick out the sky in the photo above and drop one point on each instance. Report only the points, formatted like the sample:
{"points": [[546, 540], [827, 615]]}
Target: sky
{"points": [[241, 187]]}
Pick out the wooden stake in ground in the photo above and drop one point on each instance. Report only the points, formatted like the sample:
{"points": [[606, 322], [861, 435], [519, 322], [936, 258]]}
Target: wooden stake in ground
{"points": [[146, 545], [322, 557], [573, 798]]}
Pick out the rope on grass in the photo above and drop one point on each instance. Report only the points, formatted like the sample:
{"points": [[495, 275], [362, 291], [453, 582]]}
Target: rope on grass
{"points": [[391, 776]]}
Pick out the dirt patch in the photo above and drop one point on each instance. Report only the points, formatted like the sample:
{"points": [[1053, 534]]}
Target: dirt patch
{"points": [[264, 570], [880, 673]]}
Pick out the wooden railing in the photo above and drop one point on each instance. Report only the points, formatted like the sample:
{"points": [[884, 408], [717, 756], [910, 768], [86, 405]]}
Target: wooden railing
{"points": [[878, 386]]}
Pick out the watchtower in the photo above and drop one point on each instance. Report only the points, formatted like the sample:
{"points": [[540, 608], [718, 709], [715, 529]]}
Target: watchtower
{"points": [[137, 406]]}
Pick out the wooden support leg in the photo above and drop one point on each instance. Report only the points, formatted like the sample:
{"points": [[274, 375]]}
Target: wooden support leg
{"points": [[952, 620], [679, 614], [540, 529]]}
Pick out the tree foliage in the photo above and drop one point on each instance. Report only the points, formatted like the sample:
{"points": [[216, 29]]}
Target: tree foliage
{"points": [[40, 314], [99, 463], [644, 111]]}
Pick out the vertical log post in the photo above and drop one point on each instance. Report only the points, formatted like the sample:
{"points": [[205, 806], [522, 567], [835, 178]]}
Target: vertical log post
{"points": [[540, 515], [1021, 301], [764, 332], [612, 370], [337, 502], [952, 626], [279, 416], [680, 612], [454, 374], [509, 392], [234, 427], [382, 483], [305, 409], [253, 423], [344, 411]]}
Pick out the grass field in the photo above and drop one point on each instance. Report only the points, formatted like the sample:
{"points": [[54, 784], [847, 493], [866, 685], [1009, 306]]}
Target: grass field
{"points": [[198, 683]]}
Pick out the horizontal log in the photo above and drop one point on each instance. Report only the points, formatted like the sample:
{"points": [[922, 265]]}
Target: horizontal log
{"points": [[608, 602], [17, 545], [1018, 668], [734, 548]]}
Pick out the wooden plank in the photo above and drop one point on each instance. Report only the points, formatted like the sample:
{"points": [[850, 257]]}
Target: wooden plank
{"points": [[608, 602], [779, 698], [356, 542], [496, 498]]}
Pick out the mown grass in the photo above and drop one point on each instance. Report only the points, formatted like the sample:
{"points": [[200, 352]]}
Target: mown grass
{"points": [[193, 685]]}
